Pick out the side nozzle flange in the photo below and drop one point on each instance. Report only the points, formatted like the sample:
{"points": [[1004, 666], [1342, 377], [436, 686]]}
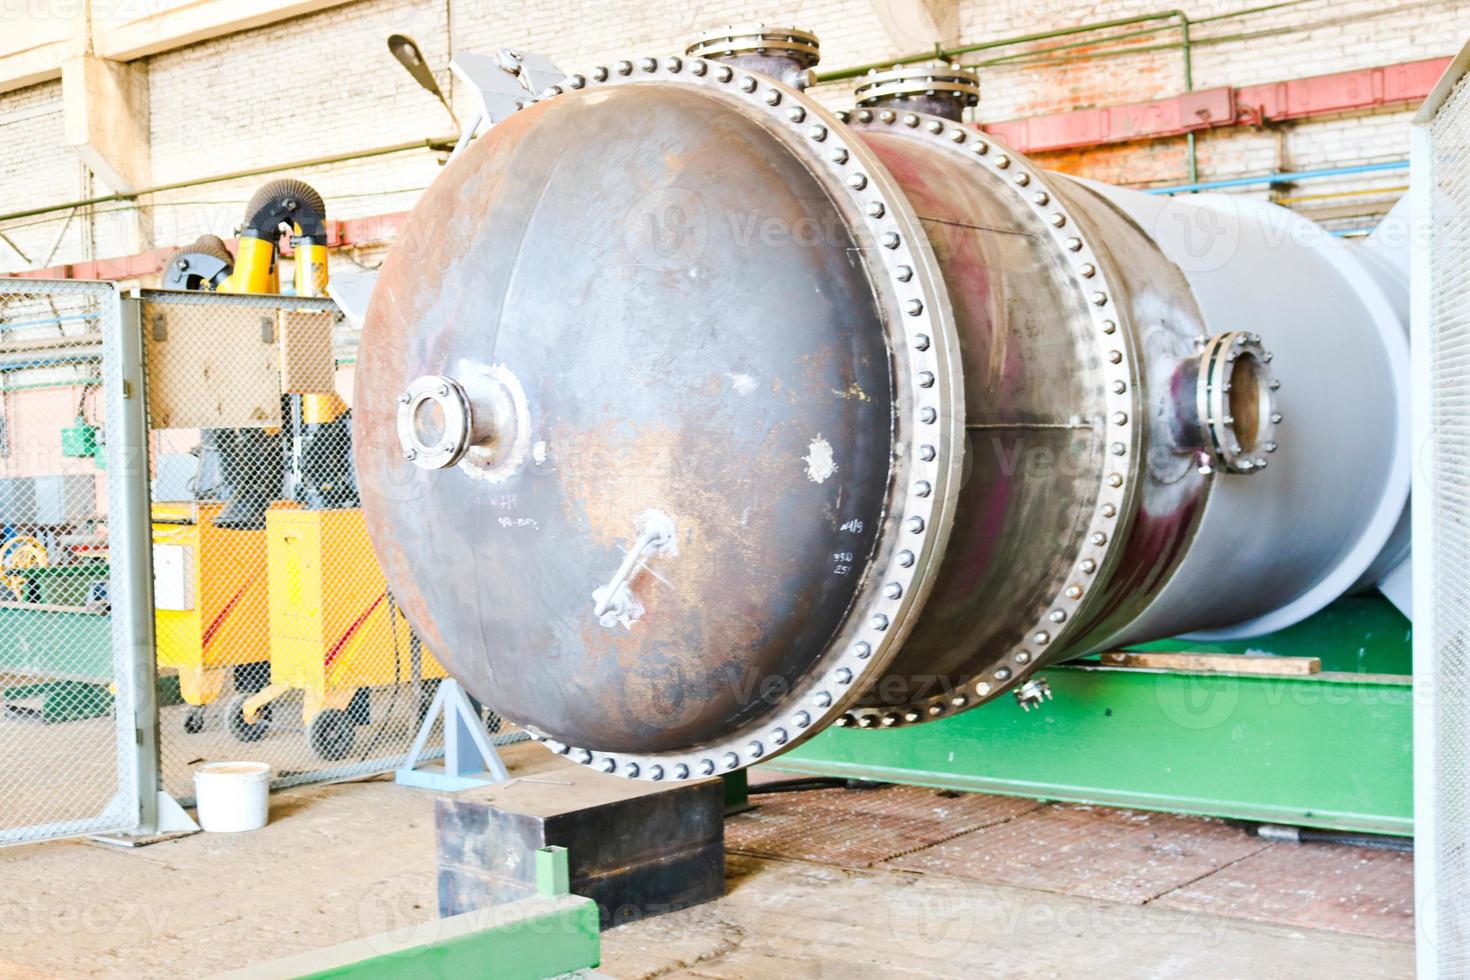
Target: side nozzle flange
{"points": [[433, 422], [1235, 402]]}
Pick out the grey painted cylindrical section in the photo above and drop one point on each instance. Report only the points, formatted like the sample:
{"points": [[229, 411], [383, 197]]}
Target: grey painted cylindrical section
{"points": [[1275, 547]]}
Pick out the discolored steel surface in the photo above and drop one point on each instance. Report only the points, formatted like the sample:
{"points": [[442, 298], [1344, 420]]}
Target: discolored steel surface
{"points": [[693, 418], [1165, 320], [1033, 390], [1053, 400], [699, 341]]}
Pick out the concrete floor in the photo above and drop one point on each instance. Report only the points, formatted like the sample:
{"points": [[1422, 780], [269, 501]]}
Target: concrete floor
{"points": [[340, 862]]}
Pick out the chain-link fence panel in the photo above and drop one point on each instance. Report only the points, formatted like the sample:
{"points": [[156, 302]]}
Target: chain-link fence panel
{"points": [[1442, 529], [271, 610], [67, 725]]}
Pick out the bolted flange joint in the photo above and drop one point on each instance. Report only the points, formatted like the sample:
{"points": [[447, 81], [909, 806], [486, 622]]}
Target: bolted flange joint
{"points": [[1233, 415], [936, 87], [787, 54]]}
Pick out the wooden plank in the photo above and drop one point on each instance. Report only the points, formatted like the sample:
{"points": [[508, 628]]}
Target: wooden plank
{"points": [[635, 847], [1216, 663]]}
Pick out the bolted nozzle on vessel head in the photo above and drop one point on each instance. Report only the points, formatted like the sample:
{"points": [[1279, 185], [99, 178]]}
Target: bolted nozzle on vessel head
{"points": [[786, 54], [935, 87], [478, 421]]}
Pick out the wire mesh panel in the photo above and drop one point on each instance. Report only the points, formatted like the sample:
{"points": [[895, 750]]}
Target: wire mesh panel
{"points": [[272, 615], [1442, 530], [66, 697]]}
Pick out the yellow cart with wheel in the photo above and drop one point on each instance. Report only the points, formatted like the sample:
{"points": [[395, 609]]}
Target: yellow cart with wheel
{"points": [[335, 631], [211, 601]]}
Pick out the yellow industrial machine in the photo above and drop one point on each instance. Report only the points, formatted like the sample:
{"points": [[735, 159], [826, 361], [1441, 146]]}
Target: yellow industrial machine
{"points": [[210, 598], [318, 610], [210, 557], [334, 629], [281, 203], [255, 267]]}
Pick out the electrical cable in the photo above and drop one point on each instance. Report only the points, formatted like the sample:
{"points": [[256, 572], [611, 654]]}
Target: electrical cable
{"points": [[1311, 835], [381, 728], [1379, 842], [807, 784]]}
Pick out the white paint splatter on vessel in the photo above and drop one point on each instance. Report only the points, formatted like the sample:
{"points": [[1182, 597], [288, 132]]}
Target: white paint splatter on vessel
{"points": [[818, 459]]}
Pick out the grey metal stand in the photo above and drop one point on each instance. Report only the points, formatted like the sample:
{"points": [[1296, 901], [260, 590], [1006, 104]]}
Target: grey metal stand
{"points": [[469, 757]]}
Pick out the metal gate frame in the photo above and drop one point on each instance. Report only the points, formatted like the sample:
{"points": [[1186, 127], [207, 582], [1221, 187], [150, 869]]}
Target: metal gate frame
{"points": [[130, 548], [1441, 769], [134, 809]]}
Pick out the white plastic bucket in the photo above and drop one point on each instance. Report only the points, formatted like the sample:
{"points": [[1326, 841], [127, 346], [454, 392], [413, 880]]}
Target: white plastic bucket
{"points": [[232, 796]]}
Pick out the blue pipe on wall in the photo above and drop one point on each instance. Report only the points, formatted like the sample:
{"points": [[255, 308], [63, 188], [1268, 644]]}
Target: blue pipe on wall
{"points": [[1282, 177]]}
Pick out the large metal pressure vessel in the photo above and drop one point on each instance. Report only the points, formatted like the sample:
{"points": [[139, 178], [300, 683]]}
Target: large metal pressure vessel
{"points": [[692, 417]]}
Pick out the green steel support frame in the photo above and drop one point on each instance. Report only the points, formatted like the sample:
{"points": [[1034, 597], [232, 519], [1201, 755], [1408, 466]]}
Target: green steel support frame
{"points": [[1331, 750]]}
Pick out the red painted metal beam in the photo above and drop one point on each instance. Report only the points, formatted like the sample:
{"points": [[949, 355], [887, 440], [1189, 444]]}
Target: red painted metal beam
{"points": [[1346, 91], [371, 230], [1349, 91]]}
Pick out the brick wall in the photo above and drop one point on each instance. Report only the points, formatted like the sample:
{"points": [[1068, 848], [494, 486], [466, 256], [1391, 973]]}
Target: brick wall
{"points": [[325, 84], [35, 168]]}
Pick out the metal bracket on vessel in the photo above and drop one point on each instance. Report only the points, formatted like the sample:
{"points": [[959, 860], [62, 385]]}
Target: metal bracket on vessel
{"points": [[502, 83]]}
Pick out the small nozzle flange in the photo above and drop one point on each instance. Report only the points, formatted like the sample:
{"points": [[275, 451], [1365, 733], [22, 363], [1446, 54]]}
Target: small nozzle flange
{"points": [[936, 87], [787, 54]]}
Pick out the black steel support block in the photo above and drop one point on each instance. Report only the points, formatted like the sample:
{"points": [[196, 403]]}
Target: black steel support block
{"points": [[635, 848]]}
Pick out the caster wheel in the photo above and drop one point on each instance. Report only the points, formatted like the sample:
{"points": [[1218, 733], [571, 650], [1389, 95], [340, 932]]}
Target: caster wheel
{"points": [[194, 720], [332, 733], [253, 676], [243, 730]]}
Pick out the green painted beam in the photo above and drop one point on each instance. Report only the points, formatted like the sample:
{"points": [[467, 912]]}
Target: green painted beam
{"points": [[553, 873], [737, 792], [548, 935], [1331, 750]]}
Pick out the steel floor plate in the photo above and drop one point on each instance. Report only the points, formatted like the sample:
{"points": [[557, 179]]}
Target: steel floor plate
{"points": [[859, 828], [1357, 890], [1187, 864], [1112, 855]]}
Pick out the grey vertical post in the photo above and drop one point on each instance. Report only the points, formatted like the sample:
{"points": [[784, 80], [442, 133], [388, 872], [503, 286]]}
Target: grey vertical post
{"points": [[130, 538]]}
